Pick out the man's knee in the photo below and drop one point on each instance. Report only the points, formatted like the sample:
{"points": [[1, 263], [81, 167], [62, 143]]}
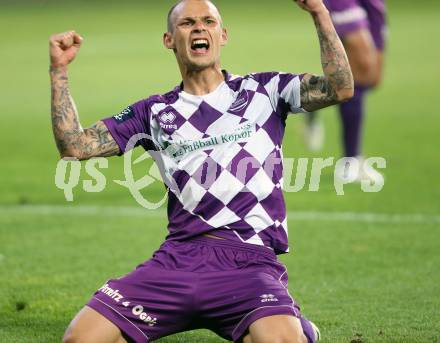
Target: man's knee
{"points": [[91, 327], [288, 337], [277, 329], [275, 337], [71, 337]]}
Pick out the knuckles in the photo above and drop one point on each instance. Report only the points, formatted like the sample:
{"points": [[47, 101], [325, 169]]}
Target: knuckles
{"points": [[64, 37]]}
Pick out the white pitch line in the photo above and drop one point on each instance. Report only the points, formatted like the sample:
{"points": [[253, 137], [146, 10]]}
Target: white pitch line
{"points": [[86, 210]]}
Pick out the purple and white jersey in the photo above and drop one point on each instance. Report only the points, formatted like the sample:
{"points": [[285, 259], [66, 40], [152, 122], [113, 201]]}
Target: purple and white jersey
{"points": [[220, 155]]}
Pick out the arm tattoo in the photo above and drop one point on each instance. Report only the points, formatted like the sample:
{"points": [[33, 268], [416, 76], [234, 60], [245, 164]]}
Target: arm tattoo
{"points": [[337, 83], [99, 141], [316, 93], [71, 139]]}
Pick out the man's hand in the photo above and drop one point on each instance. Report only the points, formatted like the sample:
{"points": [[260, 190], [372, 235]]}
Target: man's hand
{"points": [[72, 140], [311, 6], [63, 48]]}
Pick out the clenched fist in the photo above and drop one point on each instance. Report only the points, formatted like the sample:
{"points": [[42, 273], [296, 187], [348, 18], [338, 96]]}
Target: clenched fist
{"points": [[311, 6], [63, 48]]}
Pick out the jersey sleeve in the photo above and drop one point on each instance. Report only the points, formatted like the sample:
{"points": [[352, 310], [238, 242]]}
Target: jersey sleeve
{"points": [[284, 90], [131, 127]]}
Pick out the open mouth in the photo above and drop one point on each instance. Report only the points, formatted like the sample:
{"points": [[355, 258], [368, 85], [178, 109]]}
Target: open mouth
{"points": [[200, 46]]}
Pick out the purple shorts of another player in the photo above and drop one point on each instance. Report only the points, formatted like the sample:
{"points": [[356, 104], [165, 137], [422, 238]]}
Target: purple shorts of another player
{"points": [[351, 15], [220, 285]]}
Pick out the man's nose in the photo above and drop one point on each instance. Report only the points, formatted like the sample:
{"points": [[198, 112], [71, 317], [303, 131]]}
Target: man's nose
{"points": [[199, 26]]}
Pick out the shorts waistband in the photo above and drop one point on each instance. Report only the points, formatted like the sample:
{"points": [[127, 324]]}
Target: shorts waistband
{"points": [[226, 243]]}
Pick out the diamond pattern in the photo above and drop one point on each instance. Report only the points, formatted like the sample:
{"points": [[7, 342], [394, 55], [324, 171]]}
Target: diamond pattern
{"points": [[224, 156], [208, 206], [260, 145], [192, 194], [207, 173], [227, 120], [242, 203], [225, 185], [258, 218], [204, 117], [223, 217], [254, 111], [243, 166], [260, 185], [185, 131]]}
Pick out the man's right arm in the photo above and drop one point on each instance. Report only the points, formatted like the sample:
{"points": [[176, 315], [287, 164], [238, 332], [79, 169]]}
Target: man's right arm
{"points": [[71, 139]]}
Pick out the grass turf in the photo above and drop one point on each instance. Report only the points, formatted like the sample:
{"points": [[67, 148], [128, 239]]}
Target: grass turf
{"points": [[359, 281]]}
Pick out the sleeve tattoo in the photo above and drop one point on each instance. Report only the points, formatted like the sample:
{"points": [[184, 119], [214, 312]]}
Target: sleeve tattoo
{"points": [[337, 83], [71, 139]]}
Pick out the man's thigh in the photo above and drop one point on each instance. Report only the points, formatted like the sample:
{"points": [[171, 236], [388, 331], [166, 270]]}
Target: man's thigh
{"points": [[274, 329], [90, 326]]}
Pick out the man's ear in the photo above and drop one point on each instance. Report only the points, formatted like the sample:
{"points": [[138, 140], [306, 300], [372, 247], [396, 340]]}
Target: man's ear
{"points": [[224, 38], [168, 40]]}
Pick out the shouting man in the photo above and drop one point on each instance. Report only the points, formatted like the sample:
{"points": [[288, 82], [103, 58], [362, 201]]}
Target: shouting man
{"points": [[218, 138]]}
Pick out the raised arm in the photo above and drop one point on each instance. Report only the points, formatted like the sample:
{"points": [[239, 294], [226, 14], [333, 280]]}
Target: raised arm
{"points": [[337, 83], [71, 139]]}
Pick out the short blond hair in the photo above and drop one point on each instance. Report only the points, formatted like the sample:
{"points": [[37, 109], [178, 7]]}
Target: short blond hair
{"points": [[170, 26]]}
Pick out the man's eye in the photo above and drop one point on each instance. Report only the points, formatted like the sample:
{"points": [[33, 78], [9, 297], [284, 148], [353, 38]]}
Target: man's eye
{"points": [[186, 23]]}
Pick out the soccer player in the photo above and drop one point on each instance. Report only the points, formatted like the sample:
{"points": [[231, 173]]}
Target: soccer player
{"points": [[361, 25], [217, 268]]}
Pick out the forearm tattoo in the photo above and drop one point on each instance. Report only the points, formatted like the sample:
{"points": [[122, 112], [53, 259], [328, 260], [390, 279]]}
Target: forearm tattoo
{"points": [[71, 139], [321, 91]]}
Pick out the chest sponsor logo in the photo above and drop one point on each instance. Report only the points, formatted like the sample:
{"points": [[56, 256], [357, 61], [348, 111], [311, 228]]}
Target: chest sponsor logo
{"points": [[240, 103], [124, 115], [240, 135]]}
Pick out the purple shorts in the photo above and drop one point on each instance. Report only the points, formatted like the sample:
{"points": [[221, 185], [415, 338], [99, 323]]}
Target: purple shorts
{"points": [[208, 283], [351, 15]]}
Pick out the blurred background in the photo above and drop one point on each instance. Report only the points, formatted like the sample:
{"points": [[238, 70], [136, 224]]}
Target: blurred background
{"points": [[364, 265]]}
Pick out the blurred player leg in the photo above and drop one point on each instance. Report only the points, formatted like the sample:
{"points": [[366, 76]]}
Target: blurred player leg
{"points": [[362, 54], [366, 58], [90, 326], [313, 132]]}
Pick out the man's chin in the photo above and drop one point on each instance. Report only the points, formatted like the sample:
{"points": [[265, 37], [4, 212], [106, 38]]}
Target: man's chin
{"points": [[199, 65]]}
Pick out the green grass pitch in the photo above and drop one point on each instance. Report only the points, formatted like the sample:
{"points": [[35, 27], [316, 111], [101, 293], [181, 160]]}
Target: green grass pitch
{"points": [[363, 278]]}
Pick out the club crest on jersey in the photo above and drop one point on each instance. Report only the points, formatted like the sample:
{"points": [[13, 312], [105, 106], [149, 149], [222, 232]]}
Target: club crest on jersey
{"points": [[240, 103], [167, 119], [124, 115]]}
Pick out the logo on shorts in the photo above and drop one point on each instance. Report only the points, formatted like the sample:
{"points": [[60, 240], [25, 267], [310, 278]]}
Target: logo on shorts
{"points": [[112, 293], [138, 311], [268, 298]]}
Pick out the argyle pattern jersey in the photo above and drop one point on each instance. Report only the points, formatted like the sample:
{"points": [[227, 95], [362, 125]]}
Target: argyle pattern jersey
{"points": [[220, 155]]}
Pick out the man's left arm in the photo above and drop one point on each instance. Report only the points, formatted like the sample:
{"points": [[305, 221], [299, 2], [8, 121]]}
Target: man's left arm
{"points": [[337, 83]]}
